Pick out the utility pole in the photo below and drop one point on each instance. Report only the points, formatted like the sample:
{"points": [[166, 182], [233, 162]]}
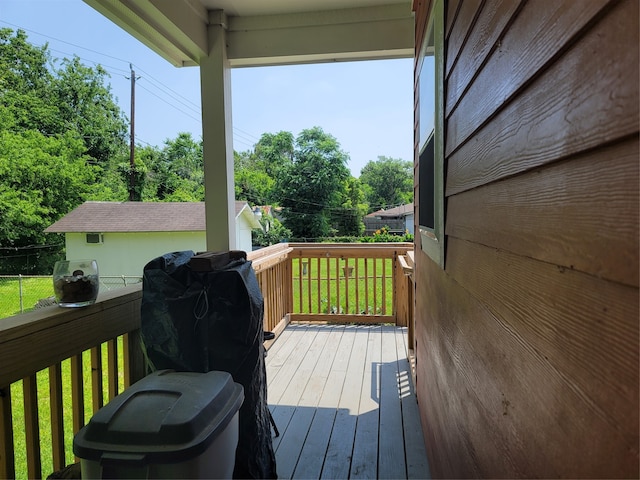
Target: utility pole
{"points": [[132, 144]]}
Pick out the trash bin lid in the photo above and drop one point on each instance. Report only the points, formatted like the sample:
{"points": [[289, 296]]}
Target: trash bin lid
{"points": [[166, 417]]}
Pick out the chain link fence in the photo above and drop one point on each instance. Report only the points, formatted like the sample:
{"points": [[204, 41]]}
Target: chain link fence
{"points": [[22, 293]]}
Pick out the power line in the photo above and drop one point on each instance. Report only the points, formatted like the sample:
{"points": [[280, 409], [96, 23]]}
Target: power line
{"points": [[240, 136]]}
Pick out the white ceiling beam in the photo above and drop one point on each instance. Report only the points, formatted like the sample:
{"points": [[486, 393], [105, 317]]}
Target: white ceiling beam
{"points": [[336, 35], [174, 29]]}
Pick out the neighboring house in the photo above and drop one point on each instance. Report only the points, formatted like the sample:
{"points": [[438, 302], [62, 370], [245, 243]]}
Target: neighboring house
{"points": [[124, 236], [398, 219], [526, 190]]}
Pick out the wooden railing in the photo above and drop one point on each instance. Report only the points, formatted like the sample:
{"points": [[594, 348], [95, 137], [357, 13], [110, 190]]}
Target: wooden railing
{"points": [[59, 366], [349, 282], [42, 357]]}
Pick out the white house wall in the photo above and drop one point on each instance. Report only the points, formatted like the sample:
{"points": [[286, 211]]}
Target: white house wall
{"points": [[128, 253]]}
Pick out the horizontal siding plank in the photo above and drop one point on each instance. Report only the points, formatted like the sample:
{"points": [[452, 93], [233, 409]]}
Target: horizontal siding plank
{"points": [[583, 101], [580, 214], [539, 32], [444, 415], [452, 12], [493, 19], [582, 334], [498, 402], [467, 13]]}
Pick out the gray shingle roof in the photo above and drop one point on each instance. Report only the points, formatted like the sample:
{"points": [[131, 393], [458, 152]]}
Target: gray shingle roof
{"points": [[401, 211], [135, 217]]}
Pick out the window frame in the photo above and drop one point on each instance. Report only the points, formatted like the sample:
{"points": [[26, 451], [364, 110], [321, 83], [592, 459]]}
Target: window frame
{"points": [[432, 239], [100, 238]]}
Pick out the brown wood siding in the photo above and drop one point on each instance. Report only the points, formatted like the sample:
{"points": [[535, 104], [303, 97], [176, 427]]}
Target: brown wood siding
{"points": [[527, 343]]}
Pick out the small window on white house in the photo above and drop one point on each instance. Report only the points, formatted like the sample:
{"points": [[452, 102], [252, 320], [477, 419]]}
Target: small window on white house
{"points": [[95, 238], [431, 139]]}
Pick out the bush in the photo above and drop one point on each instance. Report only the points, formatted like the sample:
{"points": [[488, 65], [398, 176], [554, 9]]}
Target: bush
{"points": [[383, 235]]}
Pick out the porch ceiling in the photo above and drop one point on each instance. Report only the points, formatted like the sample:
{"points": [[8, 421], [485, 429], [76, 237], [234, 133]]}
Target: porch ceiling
{"points": [[273, 32]]}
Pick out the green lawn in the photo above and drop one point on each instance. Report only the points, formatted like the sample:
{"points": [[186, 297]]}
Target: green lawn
{"points": [[371, 294], [32, 288], [44, 412]]}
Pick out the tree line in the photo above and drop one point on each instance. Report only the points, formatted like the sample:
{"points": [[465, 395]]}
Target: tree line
{"points": [[64, 140]]}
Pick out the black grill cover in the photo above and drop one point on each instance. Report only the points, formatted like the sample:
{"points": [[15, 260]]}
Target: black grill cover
{"points": [[200, 321]]}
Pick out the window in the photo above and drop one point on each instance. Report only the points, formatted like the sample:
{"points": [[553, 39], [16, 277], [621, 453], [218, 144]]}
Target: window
{"points": [[95, 238], [431, 139]]}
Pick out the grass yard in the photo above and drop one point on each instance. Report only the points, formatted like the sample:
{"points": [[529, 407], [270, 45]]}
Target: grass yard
{"points": [[32, 289], [44, 412], [343, 286]]}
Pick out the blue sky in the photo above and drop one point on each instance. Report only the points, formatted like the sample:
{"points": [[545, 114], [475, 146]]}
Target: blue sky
{"points": [[367, 106]]}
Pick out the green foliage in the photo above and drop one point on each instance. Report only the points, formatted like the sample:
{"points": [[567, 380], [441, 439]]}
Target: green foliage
{"points": [[63, 141], [311, 185], [254, 186], [347, 219], [388, 182], [60, 131], [175, 173], [274, 152], [272, 232], [86, 105], [40, 178], [383, 235]]}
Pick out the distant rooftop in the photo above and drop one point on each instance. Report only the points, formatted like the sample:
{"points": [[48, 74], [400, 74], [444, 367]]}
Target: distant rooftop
{"points": [[136, 217], [400, 211]]}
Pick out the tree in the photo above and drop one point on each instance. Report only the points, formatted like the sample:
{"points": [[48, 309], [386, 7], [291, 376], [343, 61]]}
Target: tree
{"points": [[309, 187], [347, 217], [59, 132], [273, 152], [41, 178], [176, 173], [86, 105], [388, 182], [254, 186], [25, 82]]}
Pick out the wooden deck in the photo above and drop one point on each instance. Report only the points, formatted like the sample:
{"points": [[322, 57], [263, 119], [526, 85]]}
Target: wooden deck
{"points": [[343, 401]]}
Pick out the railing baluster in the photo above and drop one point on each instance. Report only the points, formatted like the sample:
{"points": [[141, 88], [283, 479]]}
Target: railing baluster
{"points": [[366, 286], [97, 390], [318, 269], [308, 260], [300, 285], [57, 422], [357, 276], [31, 426], [77, 392], [7, 455], [337, 262], [375, 285], [328, 286], [134, 364], [346, 285], [384, 286], [112, 365]]}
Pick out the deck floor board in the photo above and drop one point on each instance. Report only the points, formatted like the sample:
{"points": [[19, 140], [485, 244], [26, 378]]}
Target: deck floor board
{"points": [[342, 399]]}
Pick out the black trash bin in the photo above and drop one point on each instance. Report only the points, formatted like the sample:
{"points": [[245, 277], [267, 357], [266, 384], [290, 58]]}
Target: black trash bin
{"points": [[205, 312]]}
